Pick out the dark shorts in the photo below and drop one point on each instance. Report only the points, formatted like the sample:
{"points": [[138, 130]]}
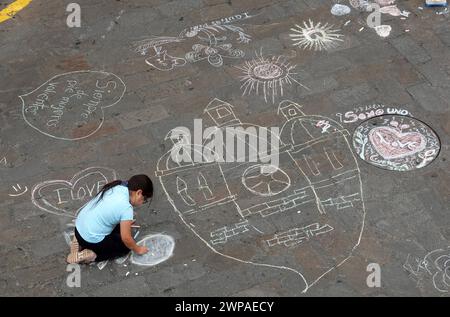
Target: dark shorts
{"points": [[109, 248]]}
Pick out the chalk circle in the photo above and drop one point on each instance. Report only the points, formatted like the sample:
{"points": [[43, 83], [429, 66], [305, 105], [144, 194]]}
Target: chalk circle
{"points": [[396, 142], [161, 248], [265, 180]]}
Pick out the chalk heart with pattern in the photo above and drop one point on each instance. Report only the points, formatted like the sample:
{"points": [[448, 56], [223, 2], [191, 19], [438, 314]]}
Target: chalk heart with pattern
{"points": [[392, 144], [70, 106], [66, 198]]}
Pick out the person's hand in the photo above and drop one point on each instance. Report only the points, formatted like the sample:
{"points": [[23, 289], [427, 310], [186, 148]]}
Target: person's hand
{"points": [[140, 250]]}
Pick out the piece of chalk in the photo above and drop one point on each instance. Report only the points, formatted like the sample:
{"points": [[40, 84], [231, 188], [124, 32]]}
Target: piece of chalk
{"points": [[436, 3]]}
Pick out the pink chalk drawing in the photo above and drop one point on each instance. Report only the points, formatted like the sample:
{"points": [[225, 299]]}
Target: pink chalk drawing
{"points": [[391, 144], [396, 142]]}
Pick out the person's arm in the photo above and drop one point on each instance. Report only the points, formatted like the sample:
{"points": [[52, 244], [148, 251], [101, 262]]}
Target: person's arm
{"points": [[127, 239]]}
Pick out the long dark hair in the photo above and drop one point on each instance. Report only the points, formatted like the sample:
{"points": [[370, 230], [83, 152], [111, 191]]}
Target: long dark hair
{"points": [[136, 182]]}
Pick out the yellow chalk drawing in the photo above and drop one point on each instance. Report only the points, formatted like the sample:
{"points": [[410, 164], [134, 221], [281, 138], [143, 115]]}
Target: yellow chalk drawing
{"points": [[12, 9]]}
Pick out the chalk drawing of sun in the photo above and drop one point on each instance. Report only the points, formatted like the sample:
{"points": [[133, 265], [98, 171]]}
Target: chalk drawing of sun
{"points": [[267, 75], [320, 37]]}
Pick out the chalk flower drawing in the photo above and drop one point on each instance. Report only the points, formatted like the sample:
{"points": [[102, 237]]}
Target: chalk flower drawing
{"points": [[210, 45], [285, 216], [320, 37], [267, 75], [213, 52]]}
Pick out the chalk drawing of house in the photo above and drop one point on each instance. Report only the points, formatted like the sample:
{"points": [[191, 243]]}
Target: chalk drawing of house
{"points": [[306, 215]]}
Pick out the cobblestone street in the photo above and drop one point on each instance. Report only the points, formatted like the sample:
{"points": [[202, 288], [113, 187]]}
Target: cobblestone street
{"points": [[356, 204]]}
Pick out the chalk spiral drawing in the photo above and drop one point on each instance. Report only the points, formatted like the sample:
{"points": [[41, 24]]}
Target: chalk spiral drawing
{"points": [[267, 75], [210, 46], [316, 36], [284, 217], [66, 198], [160, 249], [398, 143], [70, 106], [18, 191], [435, 265]]}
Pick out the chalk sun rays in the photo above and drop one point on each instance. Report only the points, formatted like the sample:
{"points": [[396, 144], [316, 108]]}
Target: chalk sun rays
{"points": [[268, 76], [318, 37]]}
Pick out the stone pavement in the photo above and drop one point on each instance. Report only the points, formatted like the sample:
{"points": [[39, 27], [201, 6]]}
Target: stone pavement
{"points": [[153, 71]]}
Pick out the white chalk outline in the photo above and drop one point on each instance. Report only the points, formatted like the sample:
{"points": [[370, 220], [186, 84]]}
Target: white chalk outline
{"points": [[162, 54], [429, 266], [270, 193], [48, 207], [339, 131], [170, 239], [328, 39], [270, 85], [101, 108], [17, 190], [214, 44]]}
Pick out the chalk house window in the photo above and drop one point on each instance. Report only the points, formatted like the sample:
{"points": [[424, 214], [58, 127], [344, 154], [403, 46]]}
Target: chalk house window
{"points": [[204, 187], [292, 112], [223, 112], [182, 191]]}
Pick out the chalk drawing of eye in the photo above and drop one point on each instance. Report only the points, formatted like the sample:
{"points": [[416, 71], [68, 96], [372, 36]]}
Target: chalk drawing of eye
{"points": [[268, 76], [320, 37], [265, 180]]}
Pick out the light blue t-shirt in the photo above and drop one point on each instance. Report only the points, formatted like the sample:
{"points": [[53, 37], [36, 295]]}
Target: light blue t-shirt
{"points": [[98, 219]]}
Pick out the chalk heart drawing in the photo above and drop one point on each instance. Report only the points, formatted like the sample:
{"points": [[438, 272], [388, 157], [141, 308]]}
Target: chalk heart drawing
{"points": [[66, 198], [396, 142], [70, 106], [305, 215], [160, 249], [391, 144]]}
